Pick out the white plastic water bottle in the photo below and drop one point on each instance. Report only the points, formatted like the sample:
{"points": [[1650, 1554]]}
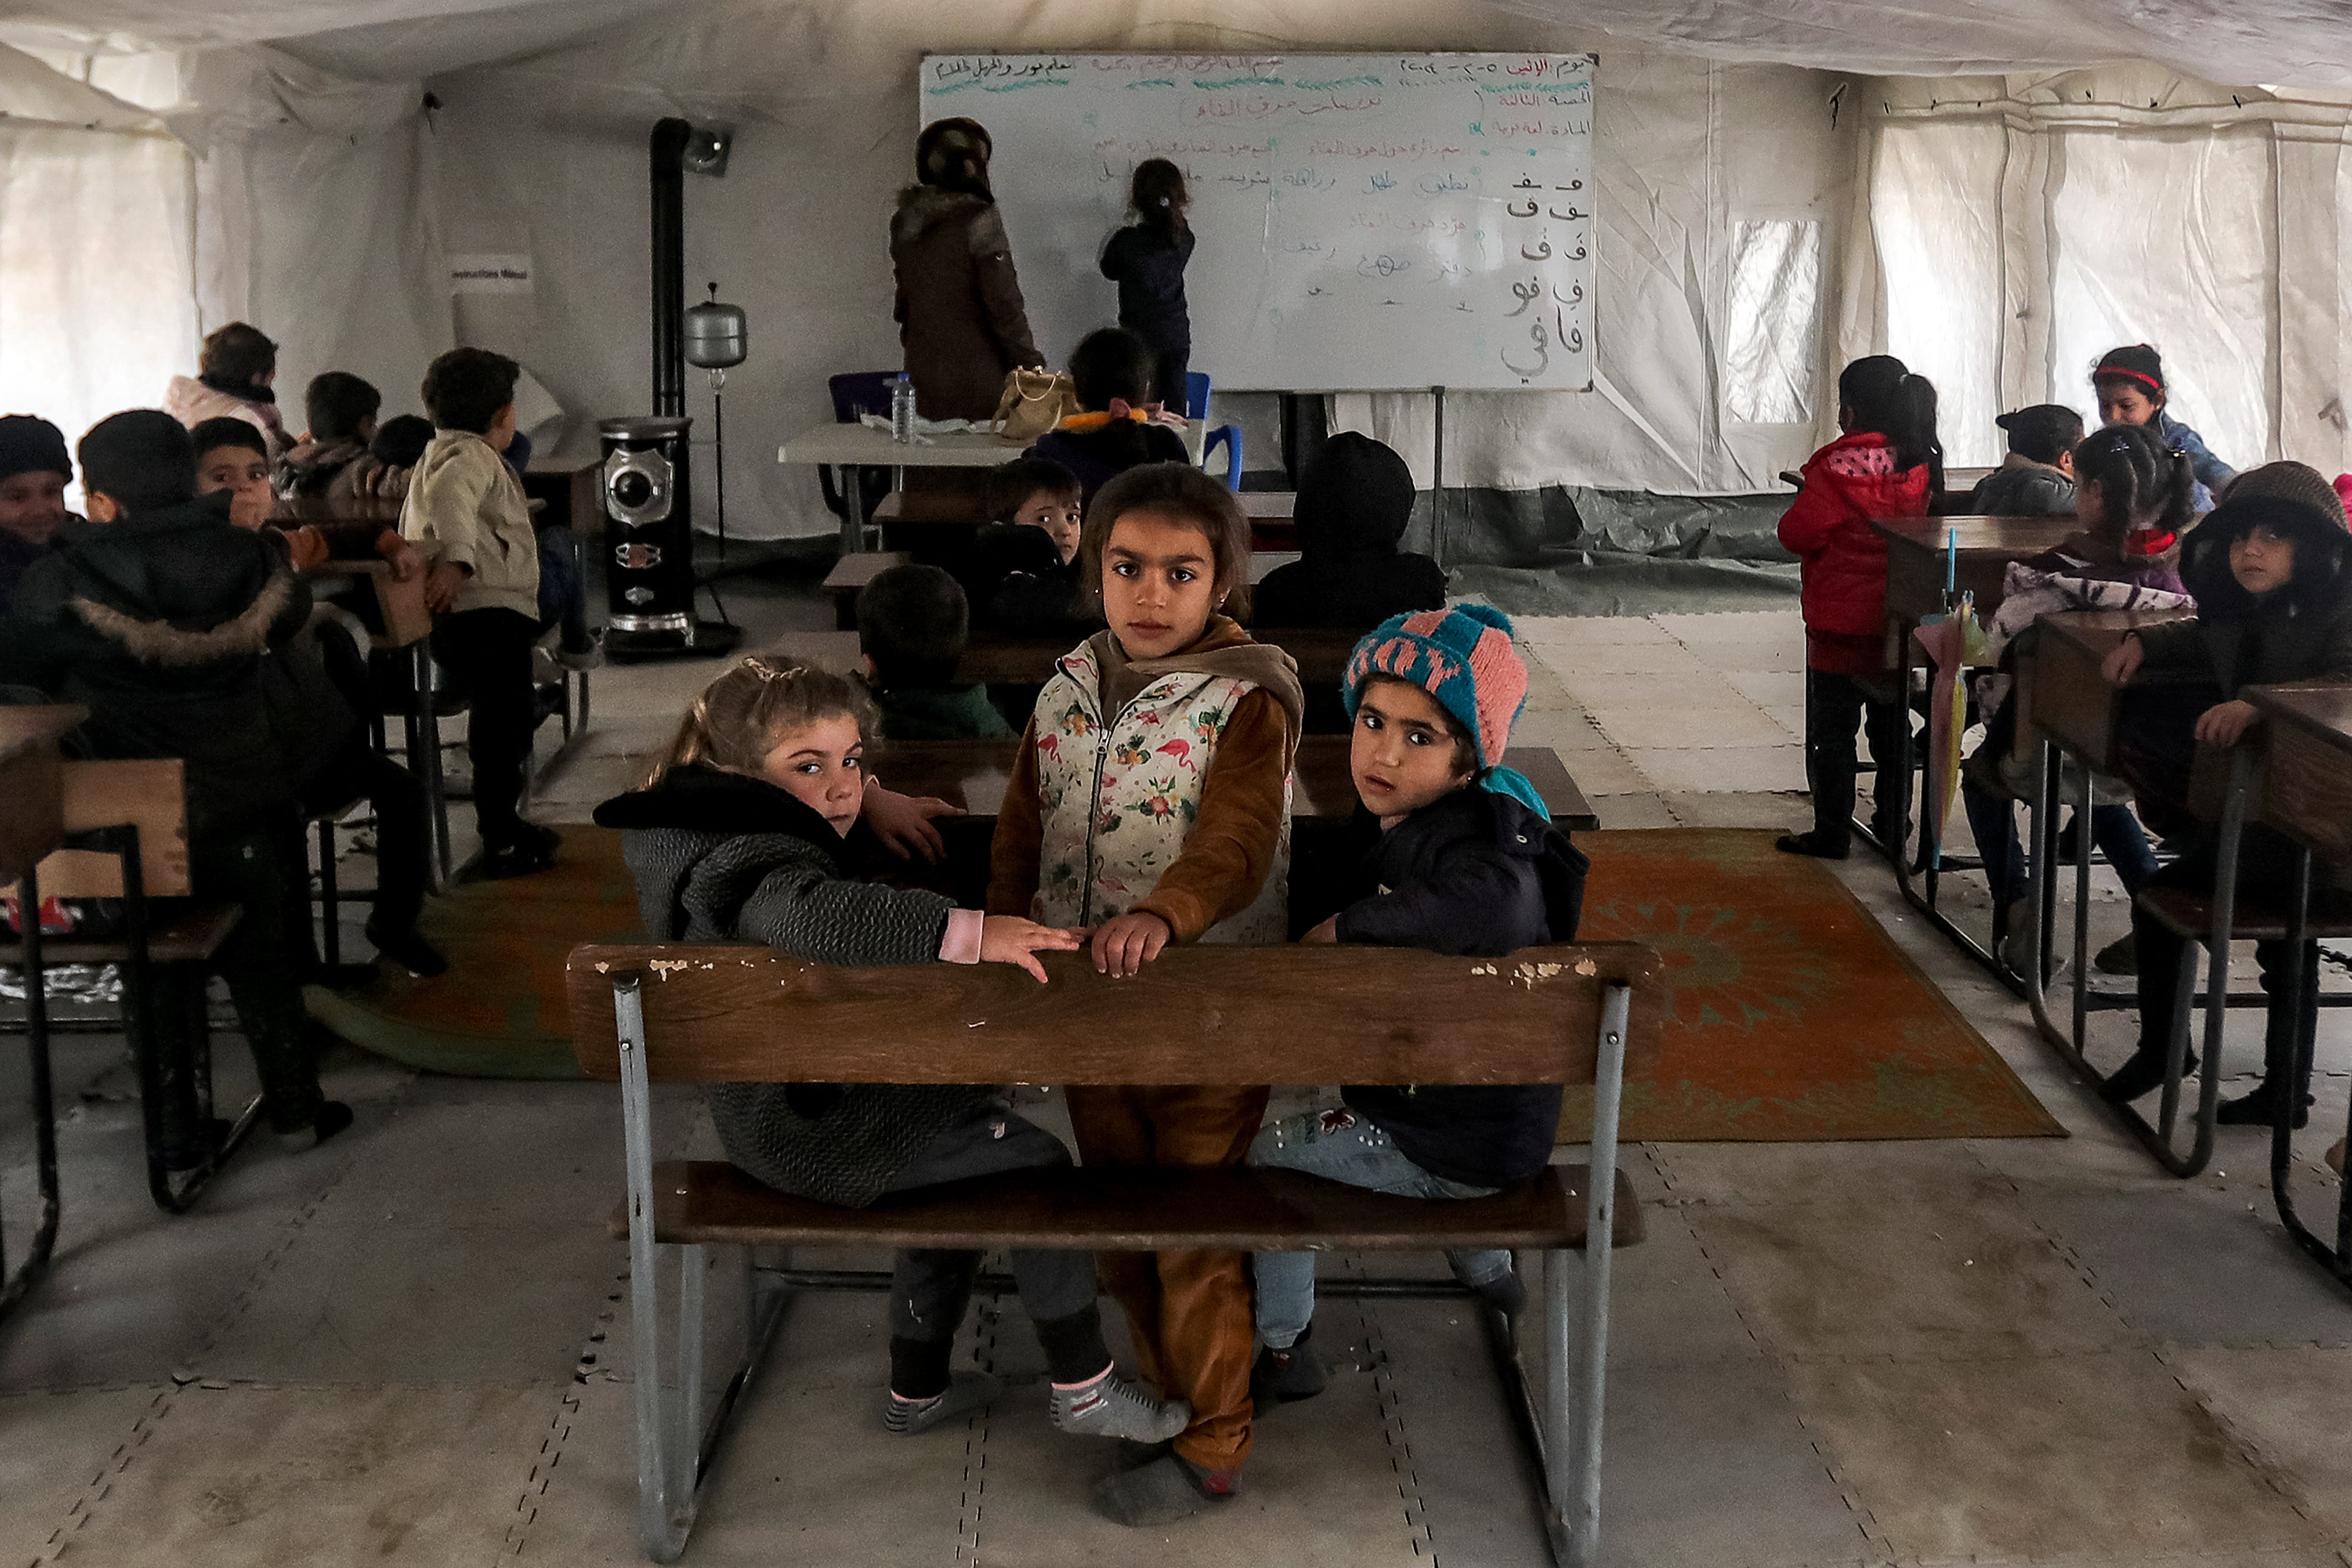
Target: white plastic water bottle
{"points": [[902, 409]]}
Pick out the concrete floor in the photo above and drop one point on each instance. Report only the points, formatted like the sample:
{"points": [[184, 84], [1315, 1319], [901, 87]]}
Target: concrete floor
{"points": [[410, 1346]]}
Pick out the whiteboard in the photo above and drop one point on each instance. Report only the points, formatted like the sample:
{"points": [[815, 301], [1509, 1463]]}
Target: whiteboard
{"points": [[1365, 222]]}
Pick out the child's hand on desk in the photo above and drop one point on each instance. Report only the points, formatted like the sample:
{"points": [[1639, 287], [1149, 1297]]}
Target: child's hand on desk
{"points": [[1009, 939], [2120, 666], [2225, 723], [1125, 944], [443, 585], [1328, 932], [903, 823], [405, 562]]}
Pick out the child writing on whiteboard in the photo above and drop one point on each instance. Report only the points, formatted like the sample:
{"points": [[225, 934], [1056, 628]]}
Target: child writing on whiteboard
{"points": [[1147, 261]]}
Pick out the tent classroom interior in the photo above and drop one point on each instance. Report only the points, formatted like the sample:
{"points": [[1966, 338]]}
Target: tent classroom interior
{"points": [[1908, 1288]]}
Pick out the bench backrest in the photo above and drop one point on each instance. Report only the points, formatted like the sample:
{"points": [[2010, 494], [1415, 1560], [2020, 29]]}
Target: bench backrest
{"points": [[150, 793], [1195, 1015]]}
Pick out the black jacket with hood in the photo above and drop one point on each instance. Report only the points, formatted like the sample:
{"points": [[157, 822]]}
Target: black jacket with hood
{"points": [[2300, 632], [1353, 503], [720, 856], [170, 626], [1479, 875]]}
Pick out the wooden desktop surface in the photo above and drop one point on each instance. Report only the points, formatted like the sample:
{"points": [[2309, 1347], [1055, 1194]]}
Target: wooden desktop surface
{"points": [[864, 445], [31, 776], [1915, 549], [2063, 692], [971, 774], [2306, 741]]}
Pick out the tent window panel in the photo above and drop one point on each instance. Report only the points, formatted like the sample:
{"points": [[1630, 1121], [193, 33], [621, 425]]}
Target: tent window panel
{"points": [[2172, 241], [1935, 199], [1774, 340]]}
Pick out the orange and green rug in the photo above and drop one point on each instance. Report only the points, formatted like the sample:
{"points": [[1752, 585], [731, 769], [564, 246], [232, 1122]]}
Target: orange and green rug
{"points": [[1793, 1017]]}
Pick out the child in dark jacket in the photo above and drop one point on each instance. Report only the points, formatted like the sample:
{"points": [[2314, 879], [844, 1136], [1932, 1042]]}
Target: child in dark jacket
{"points": [[159, 616], [333, 459], [1020, 574], [1147, 261], [2037, 477], [2272, 572], [1353, 503], [1887, 464], [1462, 858], [749, 831], [1111, 371], [34, 473], [911, 628]]}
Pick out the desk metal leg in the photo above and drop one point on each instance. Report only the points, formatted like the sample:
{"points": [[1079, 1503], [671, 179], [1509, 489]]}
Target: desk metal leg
{"points": [[2287, 1098], [424, 762], [45, 1121]]}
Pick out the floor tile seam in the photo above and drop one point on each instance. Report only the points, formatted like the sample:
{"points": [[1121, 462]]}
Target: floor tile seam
{"points": [[269, 1261], [971, 1495], [84, 1508], [1385, 1391], [1730, 1297], [2249, 1445], [369, 1385], [2005, 1354], [66, 1389], [2068, 1254], [1865, 1518], [529, 1500]]}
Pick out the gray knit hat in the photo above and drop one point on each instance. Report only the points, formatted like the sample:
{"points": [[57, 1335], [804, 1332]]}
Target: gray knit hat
{"points": [[2297, 482]]}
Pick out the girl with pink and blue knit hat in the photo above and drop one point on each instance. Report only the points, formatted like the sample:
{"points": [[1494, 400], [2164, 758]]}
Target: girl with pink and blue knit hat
{"points": [[1459, 857]]}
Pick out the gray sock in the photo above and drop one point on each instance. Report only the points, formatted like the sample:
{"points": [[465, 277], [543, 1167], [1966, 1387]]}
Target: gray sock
{"points": [[966, 1391], [1108, 1406]]}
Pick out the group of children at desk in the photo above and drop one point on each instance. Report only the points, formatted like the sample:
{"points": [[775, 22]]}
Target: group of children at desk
{"points": [[1148, 805], [2265, 572], [177, 613]]}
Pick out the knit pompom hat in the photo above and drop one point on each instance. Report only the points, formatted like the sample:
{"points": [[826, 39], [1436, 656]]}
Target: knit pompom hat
{"points": [[2292, 481], [1463, 657]]}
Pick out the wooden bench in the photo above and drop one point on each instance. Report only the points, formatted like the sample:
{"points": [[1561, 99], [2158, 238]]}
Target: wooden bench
{"points": [[1221, 1015]]}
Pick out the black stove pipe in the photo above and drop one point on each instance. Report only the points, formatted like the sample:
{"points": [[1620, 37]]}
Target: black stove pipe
{"points": [[669, 157]]}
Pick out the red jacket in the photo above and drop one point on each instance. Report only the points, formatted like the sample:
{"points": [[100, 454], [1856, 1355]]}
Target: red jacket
{"points": [[1848, 484]]}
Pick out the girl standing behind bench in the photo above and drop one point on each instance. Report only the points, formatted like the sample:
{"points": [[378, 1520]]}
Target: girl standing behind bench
{"points": [[748, 831], [1151, 799]]}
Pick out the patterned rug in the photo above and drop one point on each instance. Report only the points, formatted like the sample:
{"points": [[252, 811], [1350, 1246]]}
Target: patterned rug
{"points": [[1793, 1017], [500, 1010]]}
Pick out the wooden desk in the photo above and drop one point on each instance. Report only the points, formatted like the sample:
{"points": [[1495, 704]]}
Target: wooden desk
{"points": [[864, 446], [572, 489], [1915, 563], [406, 621], [2061, 690], [32, 775], [972, 775], [293, 511]]}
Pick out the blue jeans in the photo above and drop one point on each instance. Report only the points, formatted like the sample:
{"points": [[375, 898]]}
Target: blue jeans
{"points": [[1341, 1146], [1993, 822]]}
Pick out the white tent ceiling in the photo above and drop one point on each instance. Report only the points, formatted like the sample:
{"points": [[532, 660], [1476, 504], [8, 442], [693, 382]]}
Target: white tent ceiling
{"points": [[2303, 43]]}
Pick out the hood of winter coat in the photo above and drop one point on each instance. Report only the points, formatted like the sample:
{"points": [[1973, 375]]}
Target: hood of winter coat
{"points": [[925, 208], [698, 798], [179, 585], [2322, 585], [1225, 650], [1355, 498], [1861, 469]]}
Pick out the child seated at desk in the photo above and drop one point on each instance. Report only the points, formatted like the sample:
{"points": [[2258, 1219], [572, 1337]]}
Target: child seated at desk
{"points": [[331, 460], [1887, 464], [232, 380], [1021, 575], [1459, 857], [159, 616], [34, 474], [2272, 572], [399, 446], [2037, 477], [1354, 502], [911, 628], [2132, 498], [751, 829], [231, 455], [2130, 383], [1111, 372]]}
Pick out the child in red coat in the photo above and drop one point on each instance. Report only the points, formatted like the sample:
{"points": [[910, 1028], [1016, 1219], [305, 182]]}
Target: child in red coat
{"points": [[1887, 464]]}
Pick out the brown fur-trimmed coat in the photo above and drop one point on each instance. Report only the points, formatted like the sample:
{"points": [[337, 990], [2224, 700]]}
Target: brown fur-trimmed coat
{"points": [[960, 316]]}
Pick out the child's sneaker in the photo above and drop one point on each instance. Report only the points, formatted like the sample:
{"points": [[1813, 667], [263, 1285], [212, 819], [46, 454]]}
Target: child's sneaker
{"points": [[1109, 1407], [965, 1392], [1286, 1376]]}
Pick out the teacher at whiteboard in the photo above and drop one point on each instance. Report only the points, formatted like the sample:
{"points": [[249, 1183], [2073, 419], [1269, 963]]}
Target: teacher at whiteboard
{"points": [[961, 318]]}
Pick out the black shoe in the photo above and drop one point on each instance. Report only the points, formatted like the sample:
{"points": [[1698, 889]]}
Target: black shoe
{"points": [[1286, 1376], [408, 949], [188, 1157], [1816, 843], [2259, 1109], [332, 1117], [2144, 1072], [531, 849]]}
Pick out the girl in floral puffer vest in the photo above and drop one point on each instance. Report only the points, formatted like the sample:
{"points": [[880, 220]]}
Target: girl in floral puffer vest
{"points": [[1887, 463], [1150, 802]]}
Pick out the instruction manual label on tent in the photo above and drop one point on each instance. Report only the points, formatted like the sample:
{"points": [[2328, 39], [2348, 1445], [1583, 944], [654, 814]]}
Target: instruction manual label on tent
{"points": [[489, 274]]}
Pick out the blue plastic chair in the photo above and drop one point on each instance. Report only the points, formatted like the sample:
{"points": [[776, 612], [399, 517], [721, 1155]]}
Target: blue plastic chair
{"points": [[1231, 435], [1196, 394], [856, 393]]}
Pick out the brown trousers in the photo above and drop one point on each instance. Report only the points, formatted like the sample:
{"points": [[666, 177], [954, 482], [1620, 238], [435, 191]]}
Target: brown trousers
{"points": [[1191, 1310]]}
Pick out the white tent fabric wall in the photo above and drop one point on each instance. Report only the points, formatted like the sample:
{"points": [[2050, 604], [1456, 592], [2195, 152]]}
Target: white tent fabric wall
{"points": [[2017, 228]]}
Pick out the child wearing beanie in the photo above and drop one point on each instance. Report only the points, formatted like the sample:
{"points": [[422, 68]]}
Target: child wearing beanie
{"points": [[2270, 569], [1461, 857], [2130, 385], [34, 473]]}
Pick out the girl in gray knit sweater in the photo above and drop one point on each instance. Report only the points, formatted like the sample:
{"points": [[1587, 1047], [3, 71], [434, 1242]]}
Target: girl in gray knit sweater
{"points": [[746, 831]]}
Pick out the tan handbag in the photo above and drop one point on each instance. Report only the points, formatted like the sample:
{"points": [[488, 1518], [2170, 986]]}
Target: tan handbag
{"points": [[1034, 402]]}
